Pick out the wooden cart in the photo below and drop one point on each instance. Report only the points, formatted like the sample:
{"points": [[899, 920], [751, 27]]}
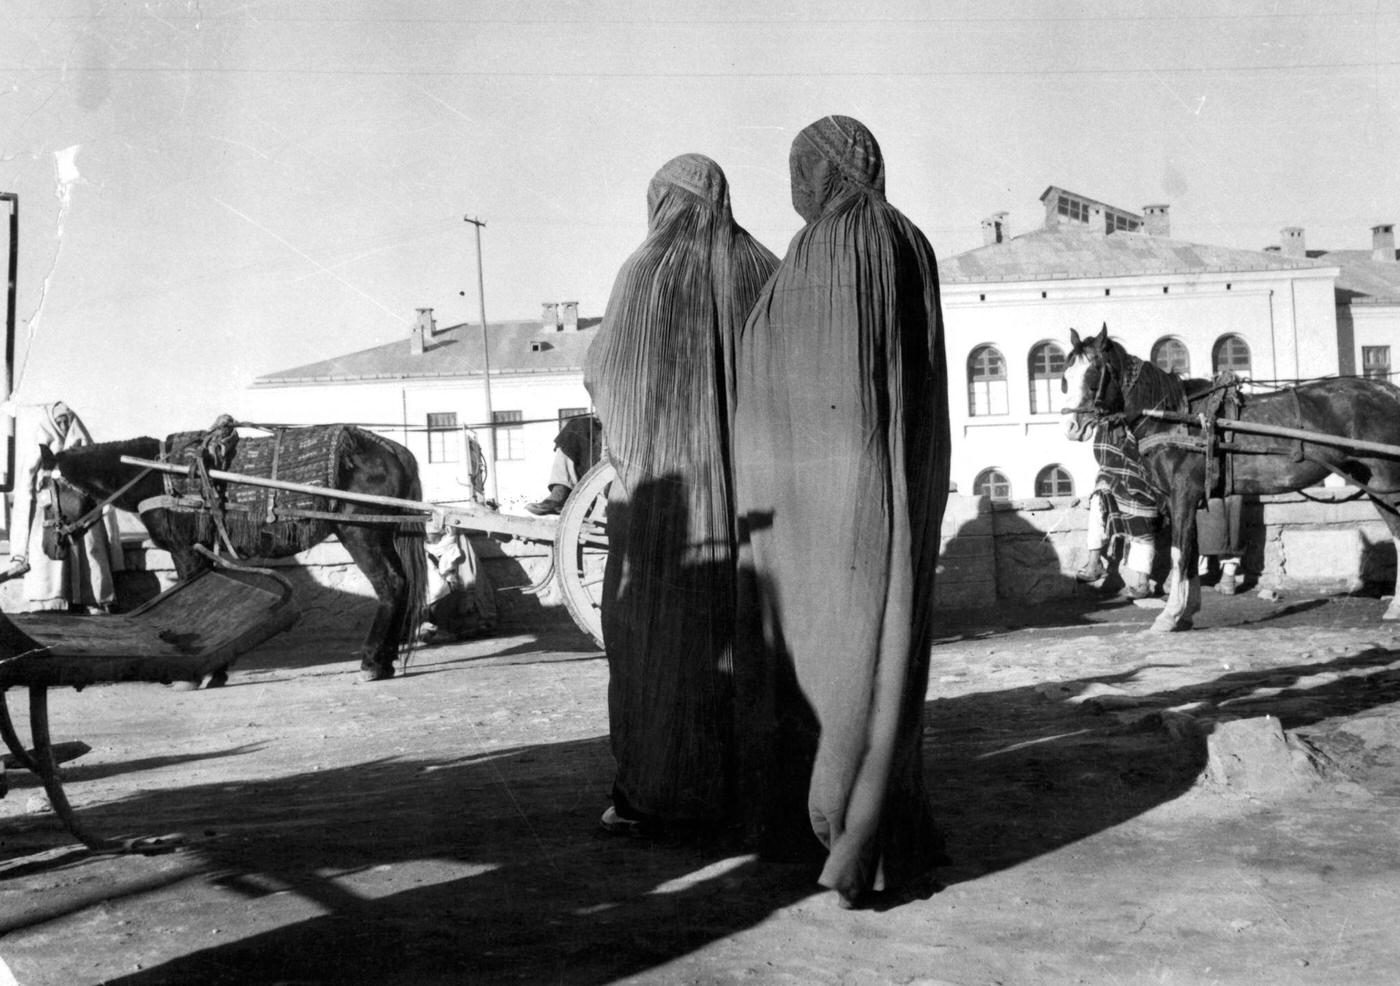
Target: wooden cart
{"points": [[190, 630], [198, 626], [578, 536]]}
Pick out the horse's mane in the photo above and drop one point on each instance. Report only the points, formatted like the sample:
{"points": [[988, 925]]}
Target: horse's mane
{"points": [[126, 446], [1153, 388]]}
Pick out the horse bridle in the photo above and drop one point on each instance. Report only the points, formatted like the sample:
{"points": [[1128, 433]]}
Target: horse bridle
{"points": [[66, 529], [1107, 372]]}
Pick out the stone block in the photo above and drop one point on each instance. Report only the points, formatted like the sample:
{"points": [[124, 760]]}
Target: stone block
{"points": [[1255, 757], [1331, 555]]}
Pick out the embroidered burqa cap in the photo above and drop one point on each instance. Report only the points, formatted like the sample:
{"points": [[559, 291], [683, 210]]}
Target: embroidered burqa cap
{"points": [[659, 374], [841, 475]]}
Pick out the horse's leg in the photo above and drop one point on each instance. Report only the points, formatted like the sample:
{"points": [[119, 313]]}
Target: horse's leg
{"points": [[372, 549], [1389, 514], [1184, 599]]}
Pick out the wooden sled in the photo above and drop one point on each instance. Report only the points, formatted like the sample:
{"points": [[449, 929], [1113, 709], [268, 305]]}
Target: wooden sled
{"points": [[187, 632]]}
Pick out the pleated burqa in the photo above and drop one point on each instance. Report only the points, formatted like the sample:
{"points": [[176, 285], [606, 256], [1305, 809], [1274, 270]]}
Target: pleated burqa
{"points": [[658, 373], [841, 476]]}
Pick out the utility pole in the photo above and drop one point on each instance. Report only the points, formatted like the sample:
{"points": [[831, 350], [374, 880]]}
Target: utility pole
{"points": [[485, 354], [8, 483]]}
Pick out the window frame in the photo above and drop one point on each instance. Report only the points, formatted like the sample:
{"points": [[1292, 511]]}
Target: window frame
{"points": [[1054, 396], [1185, 354], [989, 387], [438, 432], [1230, 339], [983, 478], [1060, 475], [508, 435]]}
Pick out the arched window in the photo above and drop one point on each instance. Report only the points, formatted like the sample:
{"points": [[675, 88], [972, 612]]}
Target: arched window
{"points": [[1231, 353], [1047, 365], [1054, 481], [1170, 355], [986, 382], [992, 483]]}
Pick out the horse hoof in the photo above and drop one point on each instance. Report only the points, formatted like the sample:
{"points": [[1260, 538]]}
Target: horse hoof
{"points": [[183, 686], [1392, 613], [217, 680], [1169, 624], [376, 674]]}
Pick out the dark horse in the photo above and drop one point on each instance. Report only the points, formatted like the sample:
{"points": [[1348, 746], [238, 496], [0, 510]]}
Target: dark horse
{"points": [[391, 555], [1105, 383]]}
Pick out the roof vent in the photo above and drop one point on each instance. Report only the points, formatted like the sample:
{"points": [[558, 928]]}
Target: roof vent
{"points": [[1156, 221], [996, 228], [539, 346], [1383, 243], [423, 329]]}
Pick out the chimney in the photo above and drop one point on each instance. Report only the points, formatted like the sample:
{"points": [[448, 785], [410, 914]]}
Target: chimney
{"points": [[1294, 246], [1155, 221], [423, 328], [549, 317], [1098, 220], [570, 316], [1383, 243], [996, 228]]}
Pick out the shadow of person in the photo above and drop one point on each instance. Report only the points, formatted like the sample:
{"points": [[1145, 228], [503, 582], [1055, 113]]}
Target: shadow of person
{"points": [[521, 887], [999, 572], [1016, 774]]}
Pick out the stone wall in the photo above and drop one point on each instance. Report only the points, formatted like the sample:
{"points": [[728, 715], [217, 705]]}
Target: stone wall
{"points": [[994, 554], [1027, 551]]}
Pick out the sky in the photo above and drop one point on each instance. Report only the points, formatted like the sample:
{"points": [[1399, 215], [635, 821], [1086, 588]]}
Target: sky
{"points": [[216, 189]]}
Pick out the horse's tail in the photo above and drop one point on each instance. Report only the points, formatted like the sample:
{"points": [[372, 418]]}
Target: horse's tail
{"points": [[413, 558]]}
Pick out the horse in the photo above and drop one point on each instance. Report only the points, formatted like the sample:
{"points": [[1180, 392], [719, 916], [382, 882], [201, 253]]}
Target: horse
{"points": [[1108, 384], [390, 553]]}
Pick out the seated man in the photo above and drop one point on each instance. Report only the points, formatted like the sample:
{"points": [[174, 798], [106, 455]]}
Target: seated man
{"points": [[577, 448]]}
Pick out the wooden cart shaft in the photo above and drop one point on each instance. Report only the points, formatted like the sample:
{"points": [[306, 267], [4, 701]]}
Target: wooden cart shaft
{"points": [[1279, 431], [487, 522]]}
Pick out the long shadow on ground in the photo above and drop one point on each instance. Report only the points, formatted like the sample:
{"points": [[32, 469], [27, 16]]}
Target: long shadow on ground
{"points": [[544, 897]]}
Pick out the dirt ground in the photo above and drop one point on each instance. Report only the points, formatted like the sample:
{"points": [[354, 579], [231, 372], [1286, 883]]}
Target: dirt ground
{"points": [[442, 827]]}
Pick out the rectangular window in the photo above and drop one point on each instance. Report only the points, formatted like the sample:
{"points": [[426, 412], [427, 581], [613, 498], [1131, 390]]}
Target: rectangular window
{"points": [[565, 413], [510, 434], [1046, 396], [988, 397], [1375, 362], [444, 442]]}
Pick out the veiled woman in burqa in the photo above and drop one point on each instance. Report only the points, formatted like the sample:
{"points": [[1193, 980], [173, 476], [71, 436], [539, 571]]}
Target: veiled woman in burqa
{"points": [[841, 476], [658, 373]]}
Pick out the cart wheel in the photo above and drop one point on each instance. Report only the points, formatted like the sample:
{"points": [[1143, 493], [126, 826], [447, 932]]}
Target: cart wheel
{"points": [[581, 549]]}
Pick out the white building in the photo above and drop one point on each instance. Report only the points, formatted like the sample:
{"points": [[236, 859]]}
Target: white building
{"points": [[1008, 307], [1368, 300], [428, 392]]}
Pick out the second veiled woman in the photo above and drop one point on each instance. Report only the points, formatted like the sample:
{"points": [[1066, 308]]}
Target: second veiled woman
{"points": [[841, 474], [658, 373]]}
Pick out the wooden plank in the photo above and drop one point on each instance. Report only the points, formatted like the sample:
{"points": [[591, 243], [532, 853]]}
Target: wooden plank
{"points": [[1278, 431]]}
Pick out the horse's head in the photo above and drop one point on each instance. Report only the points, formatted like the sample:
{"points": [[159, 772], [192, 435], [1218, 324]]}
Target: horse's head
{"points": [[1091, 383], [98, 471]]}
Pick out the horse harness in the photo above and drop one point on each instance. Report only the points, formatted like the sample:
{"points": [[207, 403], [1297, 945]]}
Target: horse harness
{"points": [[216, 451]]}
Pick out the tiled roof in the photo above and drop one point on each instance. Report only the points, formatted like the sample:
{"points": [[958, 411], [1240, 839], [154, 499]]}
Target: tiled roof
{"points": [[1073, 252], [1362, 279], [516, 347]]}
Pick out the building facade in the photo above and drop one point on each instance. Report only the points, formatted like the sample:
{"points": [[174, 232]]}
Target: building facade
{"points": [[429, 391], [1008, 307], [1367, 300]]}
